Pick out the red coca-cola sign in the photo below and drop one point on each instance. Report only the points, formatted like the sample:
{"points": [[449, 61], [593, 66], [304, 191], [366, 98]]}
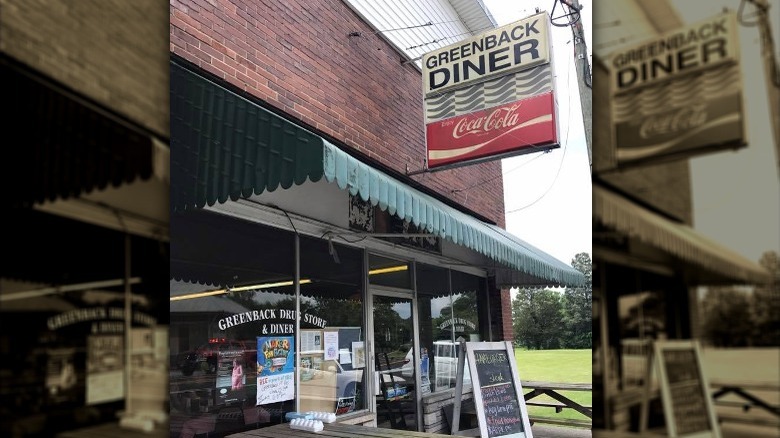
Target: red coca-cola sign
{"points": [[509, 129]]}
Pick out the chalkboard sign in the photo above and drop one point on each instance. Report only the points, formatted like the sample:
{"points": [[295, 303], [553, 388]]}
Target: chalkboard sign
{"points": [[684, 390], [498, 396]]}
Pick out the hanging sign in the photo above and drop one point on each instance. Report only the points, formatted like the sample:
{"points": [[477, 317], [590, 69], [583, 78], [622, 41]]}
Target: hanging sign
{"points": [[679, 94], [498, 395], [491, 96]]}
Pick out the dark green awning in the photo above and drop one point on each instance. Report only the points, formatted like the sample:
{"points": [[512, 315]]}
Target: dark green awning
{"points": [[61, 145], [224, 147]]}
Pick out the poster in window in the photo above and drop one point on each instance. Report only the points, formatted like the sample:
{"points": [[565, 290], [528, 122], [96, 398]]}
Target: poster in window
{"points": [[61, 378], [331, 341], [231, 378], [345, 405], [105, 369], [358, 355], [311, 341], [275, 369], [425, 379]]}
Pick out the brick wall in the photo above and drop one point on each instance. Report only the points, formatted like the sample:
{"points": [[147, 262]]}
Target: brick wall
{"points": [[297, 56], [506, 316], [666, 187], [112, 51]]}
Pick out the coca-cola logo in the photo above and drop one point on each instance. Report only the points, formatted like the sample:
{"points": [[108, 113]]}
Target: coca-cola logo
{"points": [[500, 118], [682, 119]]}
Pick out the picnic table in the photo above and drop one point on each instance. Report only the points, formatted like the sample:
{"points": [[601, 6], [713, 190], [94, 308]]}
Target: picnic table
{"points": [[336, 430], [561, 401], [748, 395]]}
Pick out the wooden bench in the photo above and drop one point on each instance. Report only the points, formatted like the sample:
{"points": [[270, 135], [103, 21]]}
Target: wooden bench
{"points": [[559, 407], [560, 402], [750, 395], [560, 421], [756, 421]]}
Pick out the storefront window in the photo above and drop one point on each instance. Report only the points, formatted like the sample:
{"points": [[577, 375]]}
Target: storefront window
{"points": [[465, 323], [63, 308], [642, 320], [232, 324], [449, 314], [332, 330], [384, 271]]}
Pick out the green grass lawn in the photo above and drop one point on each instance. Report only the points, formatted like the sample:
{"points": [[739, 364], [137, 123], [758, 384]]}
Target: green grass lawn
{"points": [[559, 366]]}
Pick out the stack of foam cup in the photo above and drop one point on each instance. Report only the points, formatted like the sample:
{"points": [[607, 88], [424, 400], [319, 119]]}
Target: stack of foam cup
{"points": [[308, 425]]}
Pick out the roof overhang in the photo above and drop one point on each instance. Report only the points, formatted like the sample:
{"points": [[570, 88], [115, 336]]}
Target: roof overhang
{"points": [[704, 261], [225, 147], [70, 156], [474, 14]]}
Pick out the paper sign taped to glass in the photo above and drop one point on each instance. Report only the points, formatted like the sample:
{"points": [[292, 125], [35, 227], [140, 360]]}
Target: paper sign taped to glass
{"points": [[275, 369]]}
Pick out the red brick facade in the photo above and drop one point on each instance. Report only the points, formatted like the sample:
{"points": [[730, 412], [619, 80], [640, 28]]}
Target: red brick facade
{"points": [[297, 56], [111, 51]]}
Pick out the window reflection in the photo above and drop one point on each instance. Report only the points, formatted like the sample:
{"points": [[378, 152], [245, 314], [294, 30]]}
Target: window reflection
{"points": [[642, 320], [450, 310], [232, 325], [332, 332], [233, 329]]}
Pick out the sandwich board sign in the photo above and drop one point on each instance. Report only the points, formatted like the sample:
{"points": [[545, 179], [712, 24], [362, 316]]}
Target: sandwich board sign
{"points": [[498, 396], [688, 407]]}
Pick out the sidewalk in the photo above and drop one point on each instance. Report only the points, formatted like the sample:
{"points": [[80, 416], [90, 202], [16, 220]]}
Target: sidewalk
{"points": [[748, 431], [560, 432]]}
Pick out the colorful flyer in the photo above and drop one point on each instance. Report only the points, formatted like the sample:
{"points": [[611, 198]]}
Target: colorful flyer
{"points": [[275, 369]]}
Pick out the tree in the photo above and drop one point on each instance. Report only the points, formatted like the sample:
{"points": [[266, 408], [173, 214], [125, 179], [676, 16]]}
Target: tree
{"points": [[537, 318], [766, 304], [577, 307], [726, 317]]}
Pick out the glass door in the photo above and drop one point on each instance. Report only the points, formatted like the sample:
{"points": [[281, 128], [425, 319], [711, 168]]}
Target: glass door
{"points": [[394, 359]]}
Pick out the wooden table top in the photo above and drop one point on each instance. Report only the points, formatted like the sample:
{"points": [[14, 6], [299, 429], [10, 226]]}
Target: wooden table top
{"points": [[113, 430], [333, 430], [556, 386]]}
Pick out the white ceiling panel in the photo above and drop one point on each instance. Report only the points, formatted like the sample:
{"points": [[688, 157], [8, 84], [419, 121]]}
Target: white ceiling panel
{"points": [[416, 27]]}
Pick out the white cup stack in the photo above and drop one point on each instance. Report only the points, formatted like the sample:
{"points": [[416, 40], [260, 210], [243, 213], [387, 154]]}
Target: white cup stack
{"points": [[325, 417], [308, 425]]}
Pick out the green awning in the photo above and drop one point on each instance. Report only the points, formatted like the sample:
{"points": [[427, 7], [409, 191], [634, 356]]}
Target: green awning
{"points": [[224, 147], [61, 145], [723, 264]]}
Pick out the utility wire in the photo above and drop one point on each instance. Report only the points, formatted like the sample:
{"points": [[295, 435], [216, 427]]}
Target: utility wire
{"points": [[563, 157], [414, 27], [765, 33], [500, 175], [405, 28]]}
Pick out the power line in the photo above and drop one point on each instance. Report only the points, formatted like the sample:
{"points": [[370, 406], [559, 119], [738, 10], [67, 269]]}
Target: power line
{"points": [[500, 175], [563, 157]]}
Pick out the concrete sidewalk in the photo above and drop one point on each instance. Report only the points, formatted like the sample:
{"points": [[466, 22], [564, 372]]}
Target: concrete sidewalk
{"points": [[560, 432], [730, 430]]}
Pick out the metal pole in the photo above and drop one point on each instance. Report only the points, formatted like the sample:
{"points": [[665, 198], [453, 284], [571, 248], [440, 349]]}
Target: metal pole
{"points": [[771, 74], [128, 327], [297, 336], [582, 65]]}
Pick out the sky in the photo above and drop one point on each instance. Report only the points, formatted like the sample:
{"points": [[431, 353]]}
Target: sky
{"points": [[547, 196], [736, 195]]}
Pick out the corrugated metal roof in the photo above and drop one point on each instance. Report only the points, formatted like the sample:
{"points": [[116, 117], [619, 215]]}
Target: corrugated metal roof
{"points": [[415, 28]]}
